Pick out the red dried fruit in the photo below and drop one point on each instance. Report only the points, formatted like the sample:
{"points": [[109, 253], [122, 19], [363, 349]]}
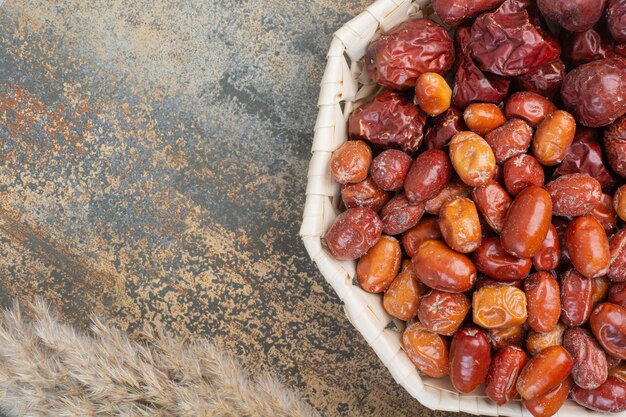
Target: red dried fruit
{"points": [[459, 224], [470, 83], [377, 269], [510, 139], [617, 263], [399, 215], [616, 19], [452, 190], [544, 303], [522, 171], [364, 194], [576, 298], [492, 201], [573, 15], [608, 324], [548, 404], [590, 45], [443, 312], [470, 356], [553, 136], [605, 213], [529, 106], [426, 229], [397, 58], [443, 127], [351, 162], [492, 260], [588, 246], [428, 175], [549, 255], [443, 269], [427, 350], [596, 92], [615, 145], [544, 372], [455, 12], [574, 194], [590, 367], [391, 120], [389, 169], [584, 156], [353, 233], [617, 294], [402, 298], [432, 93], [545, 80], [609, 397], [509, 42], [503, 373]]}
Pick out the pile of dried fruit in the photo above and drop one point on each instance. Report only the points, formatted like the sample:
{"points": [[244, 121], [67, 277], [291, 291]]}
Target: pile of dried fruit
{"points": [[505, 191]]}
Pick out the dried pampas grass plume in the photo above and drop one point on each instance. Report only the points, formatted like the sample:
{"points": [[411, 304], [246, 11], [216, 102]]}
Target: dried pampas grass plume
{"points": [[49, 369]]}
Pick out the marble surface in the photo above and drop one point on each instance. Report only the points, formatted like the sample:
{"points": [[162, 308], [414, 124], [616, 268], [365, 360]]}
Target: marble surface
{"points": [[152, 170]]}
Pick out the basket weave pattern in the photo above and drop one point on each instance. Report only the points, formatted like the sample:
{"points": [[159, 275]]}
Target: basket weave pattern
{"points": [[343, 87]]}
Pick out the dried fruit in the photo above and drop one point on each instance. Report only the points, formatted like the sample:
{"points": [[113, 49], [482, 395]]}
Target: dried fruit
{"points": [[609, 397], [427, 350], [521, 172], [588, 246], [573, 15], [499, 307], [397, 58], [391, 120], [443, 269], [590, 367], [543, 300], [608, 323], [377, 269], [482, 118], [443, 312], [616, 19], [503, 373], [470, 356], [528, 106], [402, 298], [549, 255], [455, 12], [492, 201], [544, 372], [492, 260], [400, 214], [553, 136], [353, 233], [574, 194], [617, 264], [364, 194], [548, 404], [426, 229], [536, 342], [459, 224], [350, 163], [509, 140], [545, 80], [472, 158], [428, 175], [453, 189], [576, 298], [432, 93], [443, 127], [389, 169]]}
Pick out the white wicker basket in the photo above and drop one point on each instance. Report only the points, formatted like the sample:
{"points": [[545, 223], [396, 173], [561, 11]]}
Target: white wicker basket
{"points": [[344, 86]]}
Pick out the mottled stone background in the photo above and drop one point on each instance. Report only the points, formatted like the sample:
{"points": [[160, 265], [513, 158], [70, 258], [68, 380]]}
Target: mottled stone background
{"points": [[152, 170]]}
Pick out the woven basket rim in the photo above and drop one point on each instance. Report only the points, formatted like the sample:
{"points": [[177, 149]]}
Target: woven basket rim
{"points": [[343, 87]]}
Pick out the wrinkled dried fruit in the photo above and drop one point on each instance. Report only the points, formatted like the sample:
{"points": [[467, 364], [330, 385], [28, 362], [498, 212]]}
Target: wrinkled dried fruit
{"points": [[545, 80], [587, 246], [584, 156], [522, 171], [499, 307], [509, 41], [364, 194], [536, 342], [350, 163], [397, 58], [544, 303], [399, 215], [608, 323], [377, 269], [510, 139], [548, 404], [459, 224], [576, 298], [609, 397], [482, 118], [590, 367], [596, 92], [528, 106], [428, 175], [574, 194], [616, 19], [470, 356], [544, 372], [492, 260], [503, 372], [549, 255], [443, 312], [615, 145], [492, 201], [391, 120], [426, 229], [427, 350], [527, 222], [443, 269], [472, 158], [443, 127], [432, 93], [455, 12], [452, 190], [553, 136], [402, 298], [389, 169], [353, 233], [617, 264], [573, 15], [589, 45]]}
